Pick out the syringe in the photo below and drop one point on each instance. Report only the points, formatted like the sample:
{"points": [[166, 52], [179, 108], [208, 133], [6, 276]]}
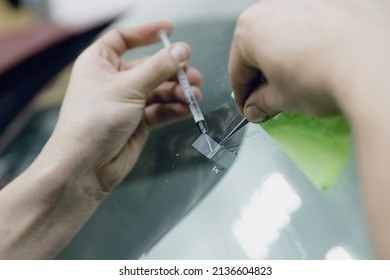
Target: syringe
{"points": [[189, 94]]}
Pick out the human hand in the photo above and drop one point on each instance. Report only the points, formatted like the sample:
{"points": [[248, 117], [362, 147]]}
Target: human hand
{"points": [[308, 56], [103, 124], [110, 105], [319, 57]]}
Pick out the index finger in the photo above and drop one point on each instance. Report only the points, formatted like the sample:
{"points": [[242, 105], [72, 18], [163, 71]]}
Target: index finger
{"points": [[121, 39]]}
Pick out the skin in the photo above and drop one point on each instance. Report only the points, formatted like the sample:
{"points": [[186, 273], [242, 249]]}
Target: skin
{"points": [[323, 57], [108, 110]]}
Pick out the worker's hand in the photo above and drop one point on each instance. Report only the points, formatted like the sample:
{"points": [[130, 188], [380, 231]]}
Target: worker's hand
{"points": [[110, 105], [317, 57], [305, 55]]}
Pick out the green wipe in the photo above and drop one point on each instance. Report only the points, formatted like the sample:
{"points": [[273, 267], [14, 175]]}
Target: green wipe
{"points": [[319, 146]]}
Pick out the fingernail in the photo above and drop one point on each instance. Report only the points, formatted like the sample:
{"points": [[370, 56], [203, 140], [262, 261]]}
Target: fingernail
{"points": [[179, 52], [253, 114]]}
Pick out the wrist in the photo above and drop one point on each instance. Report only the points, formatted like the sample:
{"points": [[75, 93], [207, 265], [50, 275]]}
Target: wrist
{"points": [[43, 209], [69, 170]]}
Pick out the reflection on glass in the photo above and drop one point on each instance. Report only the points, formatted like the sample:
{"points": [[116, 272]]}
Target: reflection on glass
{"points": [[338, 253], [265, 215]]}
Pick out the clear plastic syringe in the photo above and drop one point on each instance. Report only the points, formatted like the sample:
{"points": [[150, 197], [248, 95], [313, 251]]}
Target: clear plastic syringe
{"points": [[189, 94]]}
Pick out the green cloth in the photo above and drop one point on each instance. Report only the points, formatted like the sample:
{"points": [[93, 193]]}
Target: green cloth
{"points": [[318, 146]]}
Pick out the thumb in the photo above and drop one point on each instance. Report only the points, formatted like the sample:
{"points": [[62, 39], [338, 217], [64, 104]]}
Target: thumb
{"points": [[158, 68], [265, 101]]}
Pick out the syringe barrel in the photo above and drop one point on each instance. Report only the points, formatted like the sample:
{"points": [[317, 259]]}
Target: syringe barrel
{"points": [[189, 94]]}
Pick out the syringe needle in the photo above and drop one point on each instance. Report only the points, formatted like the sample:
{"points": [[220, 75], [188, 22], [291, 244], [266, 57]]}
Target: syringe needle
{"points": [[189, 94]]}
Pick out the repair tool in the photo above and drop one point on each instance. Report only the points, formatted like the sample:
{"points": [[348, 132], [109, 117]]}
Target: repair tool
{"points": [[189, 94], [234, 130]]}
